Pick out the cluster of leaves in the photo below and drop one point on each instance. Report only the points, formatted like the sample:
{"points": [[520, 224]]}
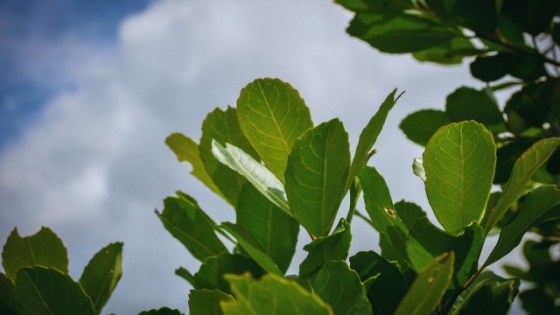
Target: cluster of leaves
{"points": [[511, 44], [279, 171], [36, 279]]}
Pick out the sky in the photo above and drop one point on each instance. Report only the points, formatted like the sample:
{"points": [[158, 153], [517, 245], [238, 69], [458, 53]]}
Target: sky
{"points": [[90, 90]]}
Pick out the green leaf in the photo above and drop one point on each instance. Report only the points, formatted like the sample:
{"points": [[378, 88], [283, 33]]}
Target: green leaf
{"points": [[271, 295], [210, 276], [389, 285], [420, 126], [184, 219], [493, 298], [380, 208], [274, 231], [369, 136], [161, 311], [340, 287], [467, 103], [48, 291], [506, 157], [459, 161], [478, 15], [43, 248], [185, 274], [187, 150], [485, 279], [409, 212], [428, 288], [222, 127], [272, 115], [324, 249], [102, 274], [427, 242], [316, 176], [533, 17], [448, 53], [537, 301], [387, 7], [256, 173], [522, 171], [491, 68], [8, 302], [207, 302], [252, 247], [533, 211]]}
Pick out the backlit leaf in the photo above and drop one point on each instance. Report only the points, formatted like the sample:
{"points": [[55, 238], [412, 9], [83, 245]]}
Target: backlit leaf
{"points": [[207, 302], [450, 52], [420, 126]]}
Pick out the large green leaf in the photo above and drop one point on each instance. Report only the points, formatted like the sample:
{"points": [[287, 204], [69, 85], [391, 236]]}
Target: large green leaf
{"points": [[409, 212], [450, 52], [186, 149], [466, 103], [428, 288], [522, 171], [537, 301], [340, 287], [388, 286], [275, 231], [47, 291], [271, 295], [272, 116], [369, 135], [8, 302], [324, 249], [222, 127], [533, 211], [478, 15], [427, 242], [316, 176], [420, 126], [184, 219], [493, 298], [256, 173], [459, 162], [207, 302], [532, 17], [102, 274], [161, 311], [252, 247], [43, 248]]}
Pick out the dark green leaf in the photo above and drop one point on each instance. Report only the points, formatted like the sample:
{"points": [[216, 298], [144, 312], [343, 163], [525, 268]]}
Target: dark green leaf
{"points": [[223, 127], [252, 247], [459, 162], [493, 298], [420, 126], [522, 171], [506, 157], [185, 274], [556, 33], [207, 302], [184, 219], [272, 116], [448, 53], [274, 231], [428, 288], [187, 150], [536, 301], [161, 311], [478, 15], [388, 287], [43, 248], [102, 274], [324, 249], [271, 295], [387, 7], [533, 17], [48, 291], [8, 303], [369, 135], [491, 68], [470, 104], [553, 164], [316, 176], [409, 212]]}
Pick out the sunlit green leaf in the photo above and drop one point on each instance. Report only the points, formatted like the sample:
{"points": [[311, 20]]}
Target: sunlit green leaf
{"points": [[102, 274], [271, 295], [420, 126], [450, 52], [47, 291], [459, 162], [272, 116], [43, 248], [184, 219], [316, 176], [207, 302]]}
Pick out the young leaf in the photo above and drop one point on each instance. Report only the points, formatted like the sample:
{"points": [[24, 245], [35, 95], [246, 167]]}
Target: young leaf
{"points": [[271, 295], [420, 126], [222, 127], [324, 249], [102, 274], [249, 244], [275, 231], [256, 173], [8, 302], [43, 248], [316, 176], [369, 135], [161, 311], [533, 211], [187, 150], [184, 219], [522, 171], [47, 291], [272, 115], [207, 302], [459, 162], [428, 288]]}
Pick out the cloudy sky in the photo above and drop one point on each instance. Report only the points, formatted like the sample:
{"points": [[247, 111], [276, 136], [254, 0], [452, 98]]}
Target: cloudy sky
{"points": [[90, 90]]}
